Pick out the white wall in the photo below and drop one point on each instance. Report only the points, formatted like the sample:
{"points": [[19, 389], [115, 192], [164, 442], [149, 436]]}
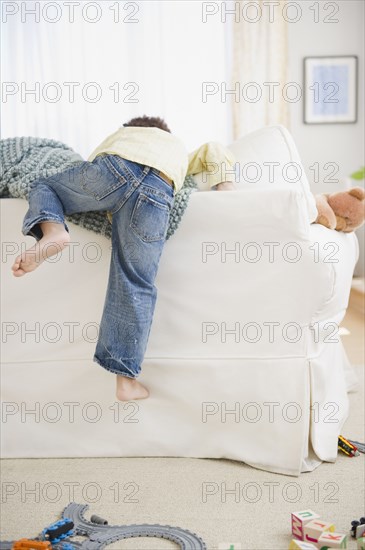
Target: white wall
{"points": [[342, 144], [167, 53]]}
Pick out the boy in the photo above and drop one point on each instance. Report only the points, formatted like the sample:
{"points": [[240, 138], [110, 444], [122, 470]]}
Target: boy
{"points": [[133, 175]]}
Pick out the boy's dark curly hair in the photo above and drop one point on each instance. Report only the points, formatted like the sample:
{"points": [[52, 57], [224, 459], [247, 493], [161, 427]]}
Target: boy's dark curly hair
{"points": [[148, 122]]}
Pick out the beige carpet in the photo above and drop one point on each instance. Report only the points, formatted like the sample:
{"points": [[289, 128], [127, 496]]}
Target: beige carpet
{"points": [[170, 491]]}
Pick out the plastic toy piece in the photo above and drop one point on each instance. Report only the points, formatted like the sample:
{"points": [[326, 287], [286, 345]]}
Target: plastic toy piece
{"points": [[29, 544], [358, 528], [299, 520], [98, 520], [354, 524], [361, 543], [360, 446], [346, 447], [67, 546], [104, 535], [59, 530], [99, 536]]}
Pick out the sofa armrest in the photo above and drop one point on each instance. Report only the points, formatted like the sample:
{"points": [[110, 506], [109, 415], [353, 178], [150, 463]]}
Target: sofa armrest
{"points": [[242, 257], [334, 254], [269, 157]]}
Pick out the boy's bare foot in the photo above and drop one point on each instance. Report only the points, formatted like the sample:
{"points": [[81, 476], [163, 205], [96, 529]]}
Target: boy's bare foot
{"points": [[129, 389], [55, 239]]}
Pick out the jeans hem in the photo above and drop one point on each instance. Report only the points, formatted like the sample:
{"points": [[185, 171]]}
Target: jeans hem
{"points": [[27, 228], [114, 371]]}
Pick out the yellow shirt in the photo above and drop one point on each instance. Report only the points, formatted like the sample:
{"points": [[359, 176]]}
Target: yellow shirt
{"points": [[149, 146], [165, 152], [214, 159]]}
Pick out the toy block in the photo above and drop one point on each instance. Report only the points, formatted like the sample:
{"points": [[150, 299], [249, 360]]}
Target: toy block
{"points": [[332, 540], [299, 520], [361, 543], [301, 545], [314, 529], [360, 530]]}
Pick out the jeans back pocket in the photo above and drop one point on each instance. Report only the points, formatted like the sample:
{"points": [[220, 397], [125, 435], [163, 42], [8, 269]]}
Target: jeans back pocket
{"points": [[100, 178], [150, 218]]}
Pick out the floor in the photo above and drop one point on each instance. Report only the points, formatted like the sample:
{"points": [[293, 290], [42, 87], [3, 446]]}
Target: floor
{"points": [[248, 508], [354, 342]]}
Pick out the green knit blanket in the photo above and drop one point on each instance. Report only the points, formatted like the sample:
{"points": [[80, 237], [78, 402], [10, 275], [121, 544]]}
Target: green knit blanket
{"points": [[26, 159]]}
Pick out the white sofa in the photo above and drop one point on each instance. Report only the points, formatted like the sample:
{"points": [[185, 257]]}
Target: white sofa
{"points": [[222, 384]]}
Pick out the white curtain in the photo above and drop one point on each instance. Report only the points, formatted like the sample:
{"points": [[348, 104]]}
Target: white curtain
{"points": [[259, 69], [158, 56]]}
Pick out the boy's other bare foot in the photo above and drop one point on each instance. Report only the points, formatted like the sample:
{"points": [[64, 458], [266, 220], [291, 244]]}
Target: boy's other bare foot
{"points": [[55, 239], [129, 389]]}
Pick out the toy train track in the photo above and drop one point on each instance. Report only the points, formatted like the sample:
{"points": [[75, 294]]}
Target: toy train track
{"points": [[100, 534]]}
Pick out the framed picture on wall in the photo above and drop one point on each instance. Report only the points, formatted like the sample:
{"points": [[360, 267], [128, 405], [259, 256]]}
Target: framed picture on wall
{"points": [[330, 89]]}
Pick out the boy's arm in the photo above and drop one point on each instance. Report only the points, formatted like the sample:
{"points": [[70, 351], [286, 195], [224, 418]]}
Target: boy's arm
{"points": [[224, 186], [215, 160]]}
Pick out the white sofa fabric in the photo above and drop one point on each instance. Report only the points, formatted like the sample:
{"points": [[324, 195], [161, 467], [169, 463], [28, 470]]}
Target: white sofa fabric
{"points": [[244, 360]]}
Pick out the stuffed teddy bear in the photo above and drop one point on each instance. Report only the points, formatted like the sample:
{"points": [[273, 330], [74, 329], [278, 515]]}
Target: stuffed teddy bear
{"points": [[343, 211]]}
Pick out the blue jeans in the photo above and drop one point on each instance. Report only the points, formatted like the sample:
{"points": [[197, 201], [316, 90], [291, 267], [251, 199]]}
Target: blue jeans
{"points": [[140, 202]]}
